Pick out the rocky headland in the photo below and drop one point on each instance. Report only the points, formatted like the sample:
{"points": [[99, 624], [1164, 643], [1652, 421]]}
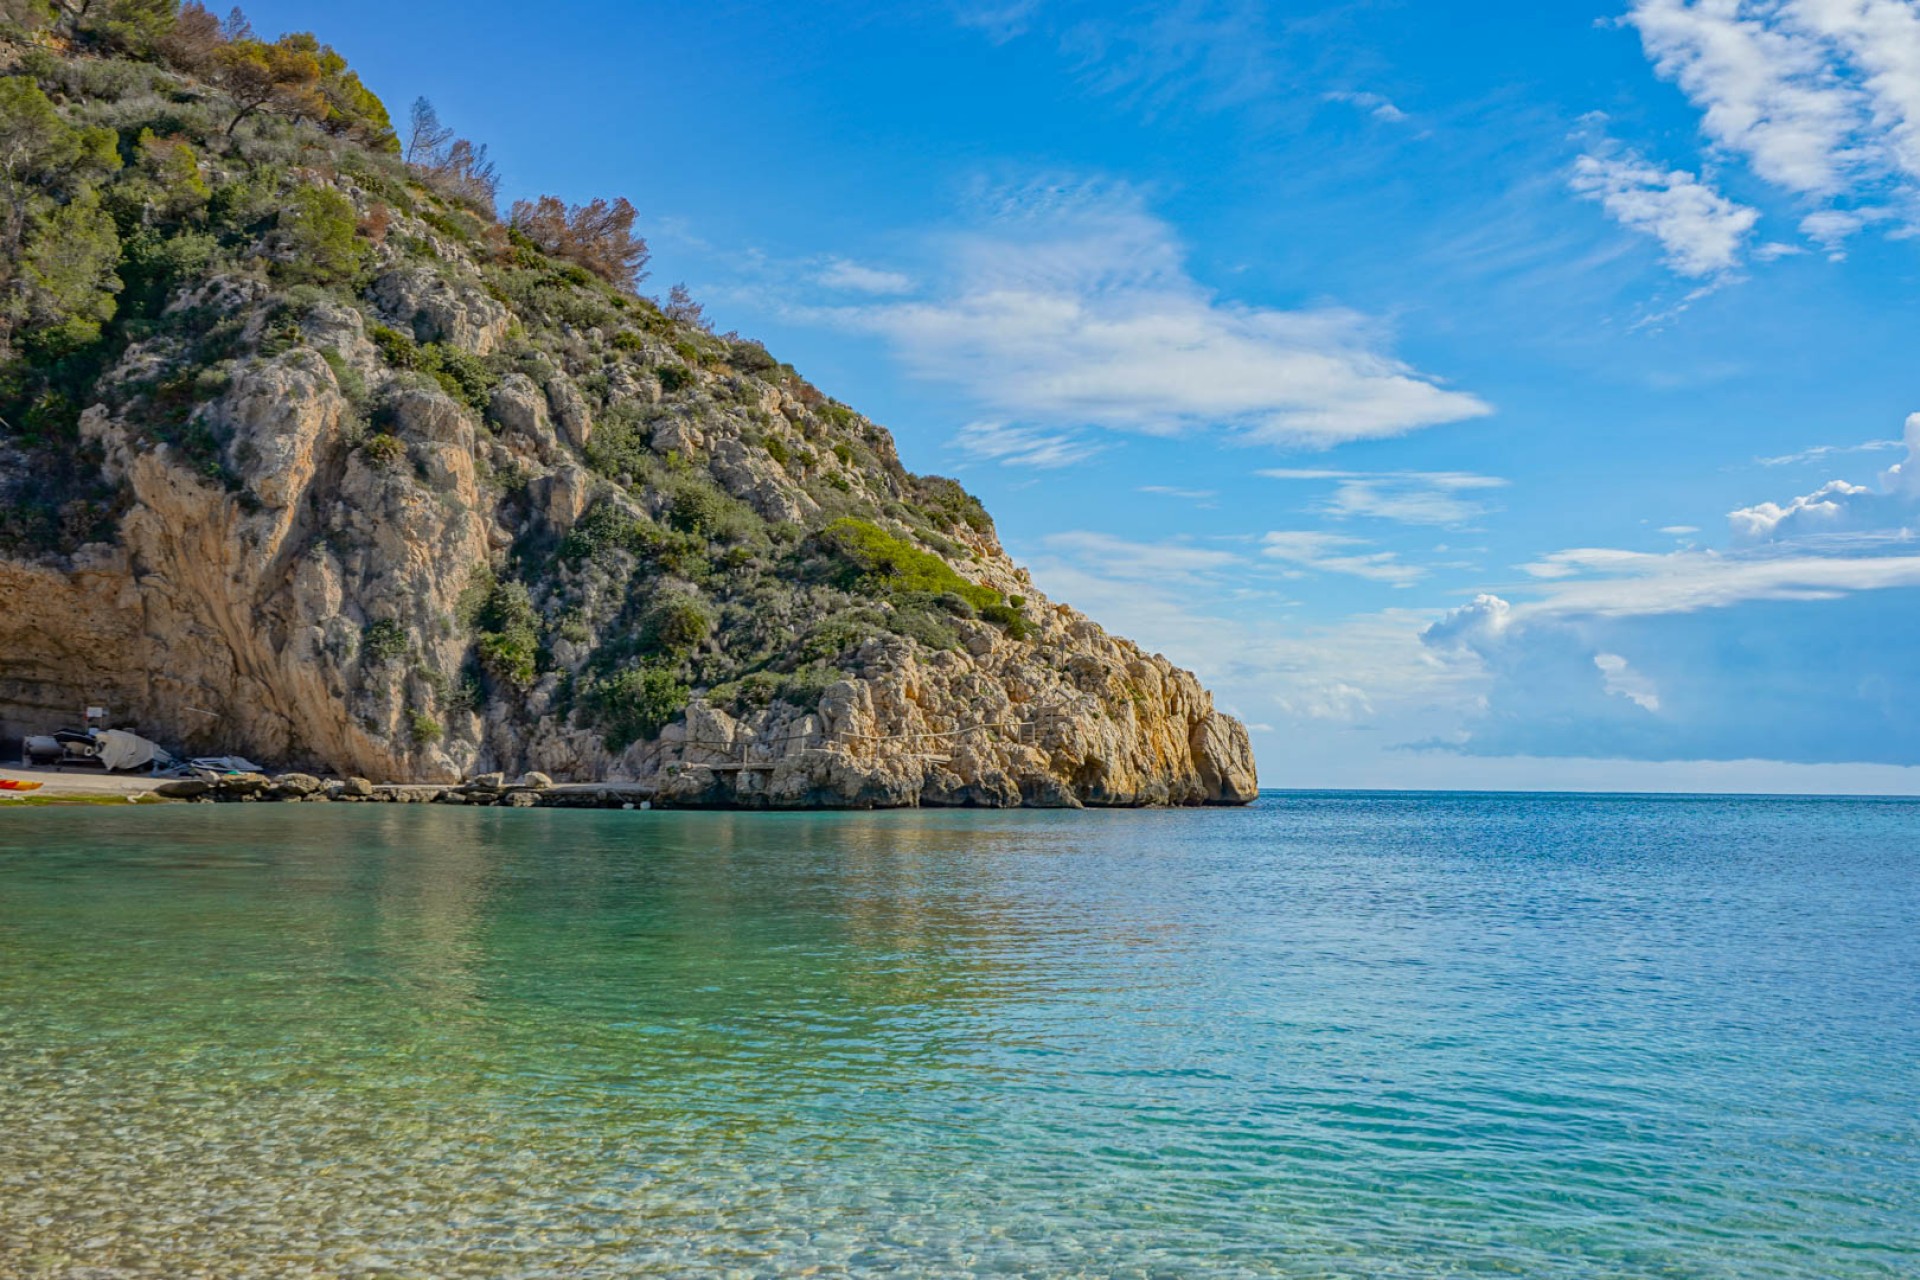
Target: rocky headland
{"points": [[327, 465]]}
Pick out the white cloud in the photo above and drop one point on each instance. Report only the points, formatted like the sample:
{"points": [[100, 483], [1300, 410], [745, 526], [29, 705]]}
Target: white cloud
{"points": [[1200, 497], [1704, 233], [1618, 677], [1015, 446], [1903, 478], [1741, 662], [1215, 54], [1380, 108], [1822, 511], [1832, 228], [1769, 89], [842, 273], [1336, 553], [1820, 451], [1120, 558], [1472, 627], [1000, 21], [1820, 97], [1410, 497], [1072, 306], [1838, 506], [1607, 583], [1680, 530], [1178, 599]]}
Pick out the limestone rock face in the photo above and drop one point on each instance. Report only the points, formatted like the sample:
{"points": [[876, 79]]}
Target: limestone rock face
{"points": [[432, 308], [233, 618]]}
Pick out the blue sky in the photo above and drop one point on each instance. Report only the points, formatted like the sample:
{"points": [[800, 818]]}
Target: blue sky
{"points": [[1506, 395]]}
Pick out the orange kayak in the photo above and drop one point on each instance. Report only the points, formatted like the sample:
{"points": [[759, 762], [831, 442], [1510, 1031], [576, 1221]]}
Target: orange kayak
{"points": [[13, 784]]}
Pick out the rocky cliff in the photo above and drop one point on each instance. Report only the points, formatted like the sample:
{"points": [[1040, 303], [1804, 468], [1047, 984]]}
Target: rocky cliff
{"points": [[454, 504]]}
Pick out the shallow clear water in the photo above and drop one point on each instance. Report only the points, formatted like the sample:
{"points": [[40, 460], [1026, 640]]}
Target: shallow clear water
{"points": [[1326, 1036]]}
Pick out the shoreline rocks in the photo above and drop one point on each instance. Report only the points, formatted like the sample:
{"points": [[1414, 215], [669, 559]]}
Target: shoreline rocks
{"points": [[694, 789]]}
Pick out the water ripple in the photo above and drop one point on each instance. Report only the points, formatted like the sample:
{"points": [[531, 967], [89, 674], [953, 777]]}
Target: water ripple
{"points": [[1330, 1036]]}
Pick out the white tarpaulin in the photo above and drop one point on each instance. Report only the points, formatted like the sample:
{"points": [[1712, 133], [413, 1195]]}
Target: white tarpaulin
{"points": [[119, 750]]}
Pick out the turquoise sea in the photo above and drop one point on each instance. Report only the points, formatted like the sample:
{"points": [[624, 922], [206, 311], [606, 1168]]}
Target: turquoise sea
{"points": [[1333, 1035]]}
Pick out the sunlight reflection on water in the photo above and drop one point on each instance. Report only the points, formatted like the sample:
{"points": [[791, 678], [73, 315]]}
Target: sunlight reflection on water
{"points": [[1330, 1035]]}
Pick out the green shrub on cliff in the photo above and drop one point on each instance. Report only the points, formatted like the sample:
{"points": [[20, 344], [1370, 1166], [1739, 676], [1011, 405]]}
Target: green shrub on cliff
{"points": [[384, 641], [318, 225], [635, 703], [677, 625], [509, 643], [875, 560], [461, 374]]}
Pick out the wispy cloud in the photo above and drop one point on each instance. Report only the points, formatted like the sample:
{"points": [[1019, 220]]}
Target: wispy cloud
{"points": [[1337, 553], [1072, 306], [1179, 599], [1702, 232], [853, 277], [1410, 497], [1380, 108], [1603, 582], [1000, 20], [1821, 452], [1123, 558], [1215, 54], [1199, 497], [1016, 446]]}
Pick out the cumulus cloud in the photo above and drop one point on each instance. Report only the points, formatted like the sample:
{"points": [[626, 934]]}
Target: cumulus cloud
{"points": [[1903, 478], [1016, 446], [1473, 627], [1337, 553], [1755, 676], [1072, 306], [1827, 509], [1409, 497], [1703, 233], [1838, 506]]}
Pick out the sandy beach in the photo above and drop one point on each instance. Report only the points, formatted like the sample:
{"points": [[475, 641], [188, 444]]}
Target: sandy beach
{"points": [[75, 784]]}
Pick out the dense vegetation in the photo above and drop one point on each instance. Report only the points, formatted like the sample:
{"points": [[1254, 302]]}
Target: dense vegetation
{"points": [[155, 159]]}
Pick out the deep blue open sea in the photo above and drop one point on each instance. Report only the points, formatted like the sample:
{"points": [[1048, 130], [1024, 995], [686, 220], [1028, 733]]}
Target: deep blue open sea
{"points": [[1333, 1035]]}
